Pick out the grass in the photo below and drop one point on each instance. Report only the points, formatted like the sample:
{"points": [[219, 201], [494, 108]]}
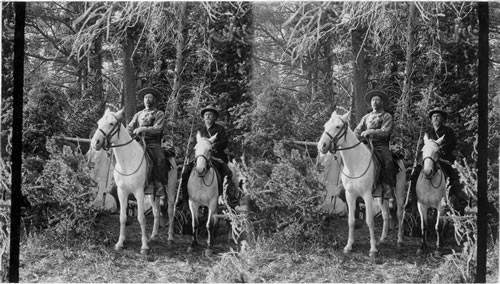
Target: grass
{"points": [[269, 260]]}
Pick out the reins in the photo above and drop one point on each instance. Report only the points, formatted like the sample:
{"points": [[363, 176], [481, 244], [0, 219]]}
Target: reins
{"points": [[334, 148], [108, 145]]}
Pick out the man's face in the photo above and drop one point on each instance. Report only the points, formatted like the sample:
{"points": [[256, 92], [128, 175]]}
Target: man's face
{"points": [[377, 103], [209, 117], [149, 100], [437, 119]]}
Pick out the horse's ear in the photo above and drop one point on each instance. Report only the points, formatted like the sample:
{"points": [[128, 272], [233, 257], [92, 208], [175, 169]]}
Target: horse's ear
{"points": [[119, 114], [334, 113], [212, 139], [198, 136], [347, 116], [107, 110], [440, 140], [426, 138]]}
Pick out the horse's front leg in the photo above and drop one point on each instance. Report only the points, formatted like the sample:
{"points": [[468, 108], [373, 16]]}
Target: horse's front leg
{"points": [[351, 206], [170, 209], [422, 210], [142, 220], [370, 223], [155, 205], [384, 206], [439, 238], [123, 200], [211, 226], [194, 223]]}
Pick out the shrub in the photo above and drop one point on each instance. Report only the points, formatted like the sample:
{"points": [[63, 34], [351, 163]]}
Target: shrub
{"points": [[287, 194], [61, 200]]}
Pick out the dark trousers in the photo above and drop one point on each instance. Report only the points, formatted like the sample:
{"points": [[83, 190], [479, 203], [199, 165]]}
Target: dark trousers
{"points": [[388, 169], [160, 169]]}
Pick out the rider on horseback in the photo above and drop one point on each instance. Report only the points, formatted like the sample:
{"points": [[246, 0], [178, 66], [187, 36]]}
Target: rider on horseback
{"points": [[378, 125], [149, 122], [458, 197], [219, 157]]}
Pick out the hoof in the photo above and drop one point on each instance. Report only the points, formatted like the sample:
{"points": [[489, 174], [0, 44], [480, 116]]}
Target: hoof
{"points": [[190, 249], [118, 248], [144, 251], [373, 255], [420, 251], [208, 252], [170, 242], [437, 253], [400, 245], [347, 251]]}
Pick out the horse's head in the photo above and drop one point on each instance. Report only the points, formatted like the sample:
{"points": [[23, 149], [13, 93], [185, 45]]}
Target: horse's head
{"points": [[335, 130], [430, 155], [107, 127], [203, 153]]}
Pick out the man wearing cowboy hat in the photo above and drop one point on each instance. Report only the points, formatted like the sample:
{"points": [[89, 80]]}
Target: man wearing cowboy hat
{"points": [[377, 126], [438, 129], [149, 123], [210, 114]]}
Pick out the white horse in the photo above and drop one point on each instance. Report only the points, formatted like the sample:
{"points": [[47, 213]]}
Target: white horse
{"points": [[203, 190], [430, 189], [358, 178], [130, 173]]}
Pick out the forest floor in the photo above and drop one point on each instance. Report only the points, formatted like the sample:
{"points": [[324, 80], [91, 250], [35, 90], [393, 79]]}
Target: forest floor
{"points": [[264, 262]]}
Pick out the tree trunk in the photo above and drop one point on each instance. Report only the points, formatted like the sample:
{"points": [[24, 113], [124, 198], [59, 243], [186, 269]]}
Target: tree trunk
{"points": [[182, 34], [359, 75], [129, 89], [405, 96], [96, 67]]}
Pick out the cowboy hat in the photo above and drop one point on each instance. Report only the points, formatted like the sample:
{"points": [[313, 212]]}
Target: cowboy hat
{"points": [[210, 108], [149, 90], [371, 94], [438, 110]]}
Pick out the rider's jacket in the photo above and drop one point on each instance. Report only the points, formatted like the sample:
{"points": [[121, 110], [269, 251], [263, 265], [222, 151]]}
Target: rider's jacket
{"points": [[152, 119], [448, 144], [220, 142]]}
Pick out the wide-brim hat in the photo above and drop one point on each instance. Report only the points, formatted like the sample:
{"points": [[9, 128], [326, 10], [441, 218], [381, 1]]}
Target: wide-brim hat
{"points": [[210, 108], [149, 90], [438, 110], [378, 93]]}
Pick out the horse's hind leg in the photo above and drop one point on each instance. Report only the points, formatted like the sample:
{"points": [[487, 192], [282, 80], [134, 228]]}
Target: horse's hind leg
{"points": [[371, 226], [384, 205], [155, 204]]}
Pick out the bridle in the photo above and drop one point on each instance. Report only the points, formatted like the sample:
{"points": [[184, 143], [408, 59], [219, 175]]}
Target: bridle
{"points": [[333, 147], [207, 167], [115, 130], [435, 169], [108, 144]]}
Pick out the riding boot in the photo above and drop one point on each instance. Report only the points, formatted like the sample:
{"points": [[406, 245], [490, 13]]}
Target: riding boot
{"points": [[388, 193]]}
